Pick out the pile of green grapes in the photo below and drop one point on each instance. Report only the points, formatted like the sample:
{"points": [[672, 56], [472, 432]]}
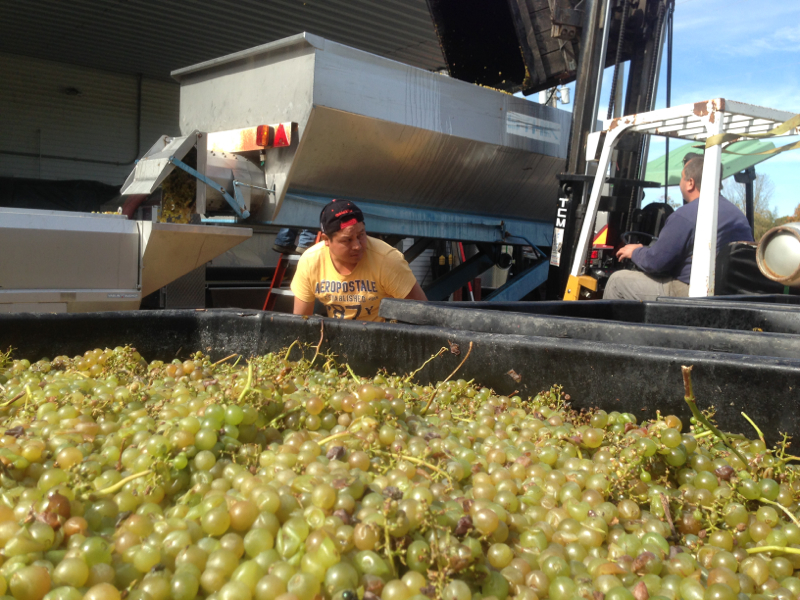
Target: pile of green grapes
{"points": [[285, 477]]}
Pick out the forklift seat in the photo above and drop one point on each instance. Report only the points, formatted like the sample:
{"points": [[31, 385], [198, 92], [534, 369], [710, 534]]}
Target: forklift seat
{"points": [[737, 272]]}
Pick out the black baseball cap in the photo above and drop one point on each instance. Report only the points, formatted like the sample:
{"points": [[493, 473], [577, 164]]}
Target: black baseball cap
{"points": [[338, 215]]}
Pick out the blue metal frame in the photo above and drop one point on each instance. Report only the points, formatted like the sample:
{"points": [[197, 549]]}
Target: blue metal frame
{"points": [[410, 221], [521, 284], [302, 211], [236, 201]]}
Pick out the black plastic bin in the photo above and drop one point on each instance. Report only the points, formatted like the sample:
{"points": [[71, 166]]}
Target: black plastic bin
{"points": [[461, 316], [740, 316], [793, 298], [619, 377]]}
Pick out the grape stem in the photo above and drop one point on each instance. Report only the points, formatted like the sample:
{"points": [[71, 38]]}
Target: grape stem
{"points": [[410, 376], [433, 393], [786, 549], [783, 508], [14, 399], [758, 431], [284, 414], [319, 345], [418, 461], [335, 436], [289, 350], [121, 483], [222, 360], [668, 513], [247, 383], [388, 541], [701, 418], [353, 375]]}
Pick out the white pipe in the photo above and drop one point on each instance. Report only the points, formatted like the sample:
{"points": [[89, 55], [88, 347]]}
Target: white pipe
{"points": [[778, 254]]}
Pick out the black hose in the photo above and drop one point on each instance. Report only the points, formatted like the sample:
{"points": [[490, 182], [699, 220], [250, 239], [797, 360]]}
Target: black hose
{"points": [[651, 84], [669, 91], [618, 56]]}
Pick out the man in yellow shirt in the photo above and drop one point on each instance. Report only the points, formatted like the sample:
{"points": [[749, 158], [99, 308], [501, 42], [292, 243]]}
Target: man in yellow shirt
{"points": [[349, 272]]}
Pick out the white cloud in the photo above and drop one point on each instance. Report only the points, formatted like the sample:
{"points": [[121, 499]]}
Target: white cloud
{"points": [[783, 40], [790, 35], [738, 28]]}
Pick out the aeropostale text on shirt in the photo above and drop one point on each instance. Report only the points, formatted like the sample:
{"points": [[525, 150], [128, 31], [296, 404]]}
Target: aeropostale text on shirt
{"points": [[336, 287]]}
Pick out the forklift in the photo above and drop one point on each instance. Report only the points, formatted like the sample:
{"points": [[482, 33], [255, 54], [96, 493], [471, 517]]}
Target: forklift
{"points": [[533, 45]]}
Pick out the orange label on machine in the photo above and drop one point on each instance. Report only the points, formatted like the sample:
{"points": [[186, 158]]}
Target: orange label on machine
{"points": [[249, 139]]}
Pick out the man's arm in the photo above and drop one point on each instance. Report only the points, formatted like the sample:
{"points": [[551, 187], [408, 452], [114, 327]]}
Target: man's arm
{"points": [[303, 308], [303, 288], [669, 251], [396, 275], [416, 293]]}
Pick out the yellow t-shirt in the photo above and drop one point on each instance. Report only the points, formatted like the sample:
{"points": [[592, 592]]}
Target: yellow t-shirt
{"points": [[381, 273]]}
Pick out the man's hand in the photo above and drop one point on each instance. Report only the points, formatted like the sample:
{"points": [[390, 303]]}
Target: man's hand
{"points": [[627, 251]]}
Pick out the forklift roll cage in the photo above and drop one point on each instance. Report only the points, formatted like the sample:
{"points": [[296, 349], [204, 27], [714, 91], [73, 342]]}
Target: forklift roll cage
{"points": [[693, 122]]}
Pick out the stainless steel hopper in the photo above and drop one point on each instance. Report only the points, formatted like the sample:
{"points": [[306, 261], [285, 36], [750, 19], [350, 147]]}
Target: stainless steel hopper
{"points": [[379, 131]]}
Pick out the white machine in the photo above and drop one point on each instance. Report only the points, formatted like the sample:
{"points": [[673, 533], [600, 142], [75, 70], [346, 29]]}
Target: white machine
{"points": [[54, 261]]}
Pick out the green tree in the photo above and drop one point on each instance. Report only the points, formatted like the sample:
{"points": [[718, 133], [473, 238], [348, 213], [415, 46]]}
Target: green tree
{"points": [[765, 217]]}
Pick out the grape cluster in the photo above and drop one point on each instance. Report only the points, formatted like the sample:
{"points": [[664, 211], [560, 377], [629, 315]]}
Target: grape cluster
{"points": [[280, 478], [178, 197]]}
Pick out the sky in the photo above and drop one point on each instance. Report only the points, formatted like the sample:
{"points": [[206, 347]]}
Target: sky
{"points": [[744, 50]]}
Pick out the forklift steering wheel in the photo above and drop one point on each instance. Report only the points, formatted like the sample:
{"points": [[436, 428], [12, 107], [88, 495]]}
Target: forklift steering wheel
{"points": [[626, 236]]}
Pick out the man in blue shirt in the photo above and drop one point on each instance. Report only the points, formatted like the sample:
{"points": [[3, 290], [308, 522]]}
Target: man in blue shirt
{"points": [[666, 265]]}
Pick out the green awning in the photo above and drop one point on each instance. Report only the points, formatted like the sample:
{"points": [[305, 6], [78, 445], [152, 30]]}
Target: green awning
{"points": [[731, 163]]}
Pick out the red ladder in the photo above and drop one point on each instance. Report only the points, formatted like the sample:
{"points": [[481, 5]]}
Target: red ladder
{"points": [[277, 279]]}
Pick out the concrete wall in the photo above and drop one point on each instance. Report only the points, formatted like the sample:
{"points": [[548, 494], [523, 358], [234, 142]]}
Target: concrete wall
{"points": [[58, 121]]}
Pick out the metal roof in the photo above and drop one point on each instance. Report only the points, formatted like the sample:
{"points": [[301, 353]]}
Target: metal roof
{"points": [[154, 37]]}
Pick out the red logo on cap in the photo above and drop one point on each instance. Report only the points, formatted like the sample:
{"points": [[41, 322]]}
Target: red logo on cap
{"points": [[349, 223]]}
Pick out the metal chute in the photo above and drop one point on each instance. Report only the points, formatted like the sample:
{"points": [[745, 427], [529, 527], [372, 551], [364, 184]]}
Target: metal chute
{"points": [[229, 179]]}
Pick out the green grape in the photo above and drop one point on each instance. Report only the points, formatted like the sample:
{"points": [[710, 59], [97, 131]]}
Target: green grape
{"points": [[456, 590], [184, 586], [269, 587], [71, 572]]}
